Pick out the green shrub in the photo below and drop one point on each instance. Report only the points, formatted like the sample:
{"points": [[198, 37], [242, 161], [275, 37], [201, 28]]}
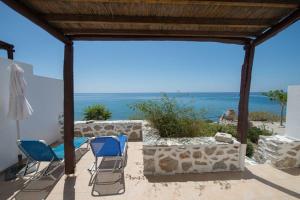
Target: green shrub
{"points": [[254, 133], [96, 112], [250, 149], [174, 120], [169, 117], [263, 116]]}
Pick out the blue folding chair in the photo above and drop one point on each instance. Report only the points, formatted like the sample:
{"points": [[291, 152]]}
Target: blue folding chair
{"points": [[109, 147], [38, 151]]}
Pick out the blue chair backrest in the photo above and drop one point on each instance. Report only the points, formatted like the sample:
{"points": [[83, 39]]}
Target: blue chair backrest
{"points": [[106, 146], [37, 150]]}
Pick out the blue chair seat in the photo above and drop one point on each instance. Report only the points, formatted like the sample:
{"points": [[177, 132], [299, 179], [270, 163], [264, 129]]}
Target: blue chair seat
{"points": [[60, 152], [106, 146]]}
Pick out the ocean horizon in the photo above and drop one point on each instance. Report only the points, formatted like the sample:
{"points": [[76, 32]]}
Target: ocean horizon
{"points": [[214, 103]]}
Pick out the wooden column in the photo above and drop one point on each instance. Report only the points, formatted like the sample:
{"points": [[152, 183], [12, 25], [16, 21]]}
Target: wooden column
{"points": [[10, 54], [244, 93], [69, 109]]}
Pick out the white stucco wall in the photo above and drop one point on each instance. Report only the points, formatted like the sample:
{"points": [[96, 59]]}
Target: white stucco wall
{"points": [[46, 98], [293, 112]]}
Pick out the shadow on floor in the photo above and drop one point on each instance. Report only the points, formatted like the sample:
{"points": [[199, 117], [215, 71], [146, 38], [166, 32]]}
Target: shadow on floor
{"points": [[108, 183], [223, 176], [69, 187], [35, 189]]}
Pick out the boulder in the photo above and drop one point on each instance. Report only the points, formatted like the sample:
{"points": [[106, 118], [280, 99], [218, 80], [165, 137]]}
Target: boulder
{"points": [[229, 115], [223, 137]]}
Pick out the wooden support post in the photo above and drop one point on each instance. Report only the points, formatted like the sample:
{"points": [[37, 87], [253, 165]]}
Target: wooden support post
{"points": [[69, 110], [10, 54], [244, 93]]}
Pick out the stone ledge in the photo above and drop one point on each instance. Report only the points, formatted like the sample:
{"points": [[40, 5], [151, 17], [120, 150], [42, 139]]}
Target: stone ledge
{"points": [[132, 128]]}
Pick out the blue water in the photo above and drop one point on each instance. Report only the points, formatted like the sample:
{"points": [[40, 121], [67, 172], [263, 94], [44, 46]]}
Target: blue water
{"points": [[215, 104]]}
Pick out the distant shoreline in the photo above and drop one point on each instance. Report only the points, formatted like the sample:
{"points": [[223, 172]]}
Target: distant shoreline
{"points": [[215, 103]]}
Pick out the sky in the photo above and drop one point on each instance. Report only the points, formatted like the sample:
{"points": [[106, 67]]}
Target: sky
{"points": [[154, 66]]}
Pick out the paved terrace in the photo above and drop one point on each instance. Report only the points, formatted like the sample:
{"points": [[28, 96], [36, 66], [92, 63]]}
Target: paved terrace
{"points": [[257, 182]]}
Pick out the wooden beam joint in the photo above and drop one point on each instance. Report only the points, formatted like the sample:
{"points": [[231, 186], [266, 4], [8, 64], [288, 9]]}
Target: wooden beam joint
{"points": [[33, 16], [283, 24], [9, 48]]}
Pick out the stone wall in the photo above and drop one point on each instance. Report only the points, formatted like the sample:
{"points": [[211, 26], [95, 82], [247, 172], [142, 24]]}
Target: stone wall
{"points": [[281, 151], [188, 155], [132, 128]]}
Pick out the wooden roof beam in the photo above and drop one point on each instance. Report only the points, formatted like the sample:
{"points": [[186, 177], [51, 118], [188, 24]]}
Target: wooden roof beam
{"points": [[102, 37], [5, 45], [88, 18], [246, 3], [165, 33], [286, 22], [21, 8]]}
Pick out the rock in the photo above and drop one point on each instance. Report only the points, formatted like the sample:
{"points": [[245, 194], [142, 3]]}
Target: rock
{"points": [[149, 152], [297, 148], [219, 165], [149, 165], [232, 151], [137, 127], [200, 163], [223, 137], [109, 127], [168, 164], [220, 152], [291, 153], [229, 115], [133, 136], [89, 135], [210, 150], [87, 129], [197, 154], [97, 127], [185, 154], [233, 167], [77, 133], [186, 166], [287, 162]]}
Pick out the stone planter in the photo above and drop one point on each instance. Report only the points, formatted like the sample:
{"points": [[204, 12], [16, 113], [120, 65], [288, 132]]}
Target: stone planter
{"points": [[188, 155]]}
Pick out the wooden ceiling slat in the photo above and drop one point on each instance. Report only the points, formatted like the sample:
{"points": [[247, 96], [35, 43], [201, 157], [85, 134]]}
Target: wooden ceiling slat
{"points": [[102, 37], [241, 3], [78, 18], [158, 32]]}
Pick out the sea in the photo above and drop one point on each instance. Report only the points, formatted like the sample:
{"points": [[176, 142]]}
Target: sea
{"points": [[214, 104]]}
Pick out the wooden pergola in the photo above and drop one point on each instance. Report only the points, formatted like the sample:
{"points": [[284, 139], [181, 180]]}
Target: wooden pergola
{"points": [[242, 22]]}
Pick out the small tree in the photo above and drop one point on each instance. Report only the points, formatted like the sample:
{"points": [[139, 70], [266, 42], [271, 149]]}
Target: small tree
{"points": [[279, 96], [96, 112]]}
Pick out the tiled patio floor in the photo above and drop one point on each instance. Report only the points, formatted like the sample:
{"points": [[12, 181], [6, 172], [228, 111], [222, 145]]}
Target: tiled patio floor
{"points": [[256, 182]]}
